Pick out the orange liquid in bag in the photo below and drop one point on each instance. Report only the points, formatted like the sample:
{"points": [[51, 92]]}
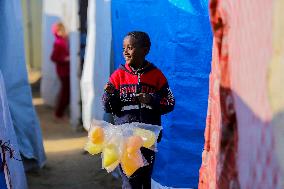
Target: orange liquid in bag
{"points": [[130, 162], [134, 143], [97, 135]]}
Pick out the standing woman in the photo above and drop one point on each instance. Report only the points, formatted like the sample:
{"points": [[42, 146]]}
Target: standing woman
{"points": [[60, 56]]}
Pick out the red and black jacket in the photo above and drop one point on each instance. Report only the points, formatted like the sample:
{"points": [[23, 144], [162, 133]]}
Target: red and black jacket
{"points": [[123, 103]]}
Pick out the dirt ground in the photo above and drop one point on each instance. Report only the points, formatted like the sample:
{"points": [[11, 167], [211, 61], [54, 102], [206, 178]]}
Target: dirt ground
{"points": [[68, 166]]}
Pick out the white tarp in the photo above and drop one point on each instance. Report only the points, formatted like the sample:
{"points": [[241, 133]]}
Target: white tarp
{"points": [[13, 68], [67, 12], [7, 134], [97, 60], [156, 185]]}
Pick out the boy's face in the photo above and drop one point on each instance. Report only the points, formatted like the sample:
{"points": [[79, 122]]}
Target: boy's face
{"points": [[133, 53]]}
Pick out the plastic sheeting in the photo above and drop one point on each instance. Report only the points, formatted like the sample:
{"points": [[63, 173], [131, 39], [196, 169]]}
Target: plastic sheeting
{"points": [[67, 12], [181, 47], [7, 134], [96, 69], [14, 72]]}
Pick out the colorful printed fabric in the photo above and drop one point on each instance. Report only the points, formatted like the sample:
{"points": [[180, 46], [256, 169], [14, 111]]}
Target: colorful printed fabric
{"points": [[2, 176], [218, 168]]}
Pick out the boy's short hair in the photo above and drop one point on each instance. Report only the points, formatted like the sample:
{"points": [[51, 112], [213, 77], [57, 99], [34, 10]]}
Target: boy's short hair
{"points": [[142, 38]]}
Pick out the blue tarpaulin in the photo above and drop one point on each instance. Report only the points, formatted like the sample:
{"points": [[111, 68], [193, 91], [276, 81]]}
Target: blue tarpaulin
{"points": [[181, 47]]}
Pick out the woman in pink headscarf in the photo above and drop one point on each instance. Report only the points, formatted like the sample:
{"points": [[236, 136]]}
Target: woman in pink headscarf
{"points": [[60, 56]]}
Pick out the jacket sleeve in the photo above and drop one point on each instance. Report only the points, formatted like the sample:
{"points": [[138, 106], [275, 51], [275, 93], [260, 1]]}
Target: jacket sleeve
{"points": [[164, 100], [111, 102]]}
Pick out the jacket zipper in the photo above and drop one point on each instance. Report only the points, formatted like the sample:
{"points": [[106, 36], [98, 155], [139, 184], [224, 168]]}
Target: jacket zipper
{"points": [[138, 87]]}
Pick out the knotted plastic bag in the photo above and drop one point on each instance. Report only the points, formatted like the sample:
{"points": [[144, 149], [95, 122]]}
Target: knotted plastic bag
{"points": [[148, 137], [96, 137]]}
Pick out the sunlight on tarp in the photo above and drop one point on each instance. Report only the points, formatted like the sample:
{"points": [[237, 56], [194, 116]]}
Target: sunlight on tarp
{"points": [[186, 5]]}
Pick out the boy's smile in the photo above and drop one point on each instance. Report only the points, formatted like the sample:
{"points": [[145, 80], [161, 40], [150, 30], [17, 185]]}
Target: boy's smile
{"points": [[134, 55]]}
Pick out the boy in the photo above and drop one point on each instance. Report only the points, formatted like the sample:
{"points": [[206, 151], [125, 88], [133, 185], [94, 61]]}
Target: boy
{"points": [[138, 92]]}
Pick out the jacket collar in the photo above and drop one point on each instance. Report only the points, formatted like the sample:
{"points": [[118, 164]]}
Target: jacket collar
{"points": [[145, 68]]}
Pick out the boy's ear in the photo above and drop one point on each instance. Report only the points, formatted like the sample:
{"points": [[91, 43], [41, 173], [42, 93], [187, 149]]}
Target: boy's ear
{"points": [[146, 50]]}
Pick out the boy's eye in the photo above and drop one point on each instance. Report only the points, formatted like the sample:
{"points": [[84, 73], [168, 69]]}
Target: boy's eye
{"points": [[128, 48]]}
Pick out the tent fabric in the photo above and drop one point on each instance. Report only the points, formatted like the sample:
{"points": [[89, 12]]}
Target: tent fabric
{"points": [[17, 176], [96, 69], [32, 21], [74, 38], [239, 92], [181, 48], [18, 90], [49, 79], [276, 79]]}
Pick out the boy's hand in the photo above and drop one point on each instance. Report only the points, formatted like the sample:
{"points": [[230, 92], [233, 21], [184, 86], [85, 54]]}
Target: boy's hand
{"points": [[144, 98], [109, 88]]}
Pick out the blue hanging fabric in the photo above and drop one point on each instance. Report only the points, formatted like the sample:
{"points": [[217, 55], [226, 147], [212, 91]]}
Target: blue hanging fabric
{"points": [[18, 90], [3, 184], [9, 151], [181, 40]]}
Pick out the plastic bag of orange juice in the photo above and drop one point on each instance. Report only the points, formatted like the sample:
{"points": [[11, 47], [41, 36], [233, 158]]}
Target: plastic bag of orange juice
{"points": [[112, 150], [110, 157], [149, 134], [131, 162], [96, 135], [133, 144], [132, 158], [93, 148]]}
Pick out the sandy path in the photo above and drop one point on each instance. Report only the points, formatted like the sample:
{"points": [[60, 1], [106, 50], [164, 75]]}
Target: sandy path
{"points": [[68, 167]]}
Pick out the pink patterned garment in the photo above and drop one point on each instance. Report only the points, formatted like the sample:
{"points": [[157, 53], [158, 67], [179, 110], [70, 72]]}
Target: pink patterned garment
{"points": [[239, 147]]}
